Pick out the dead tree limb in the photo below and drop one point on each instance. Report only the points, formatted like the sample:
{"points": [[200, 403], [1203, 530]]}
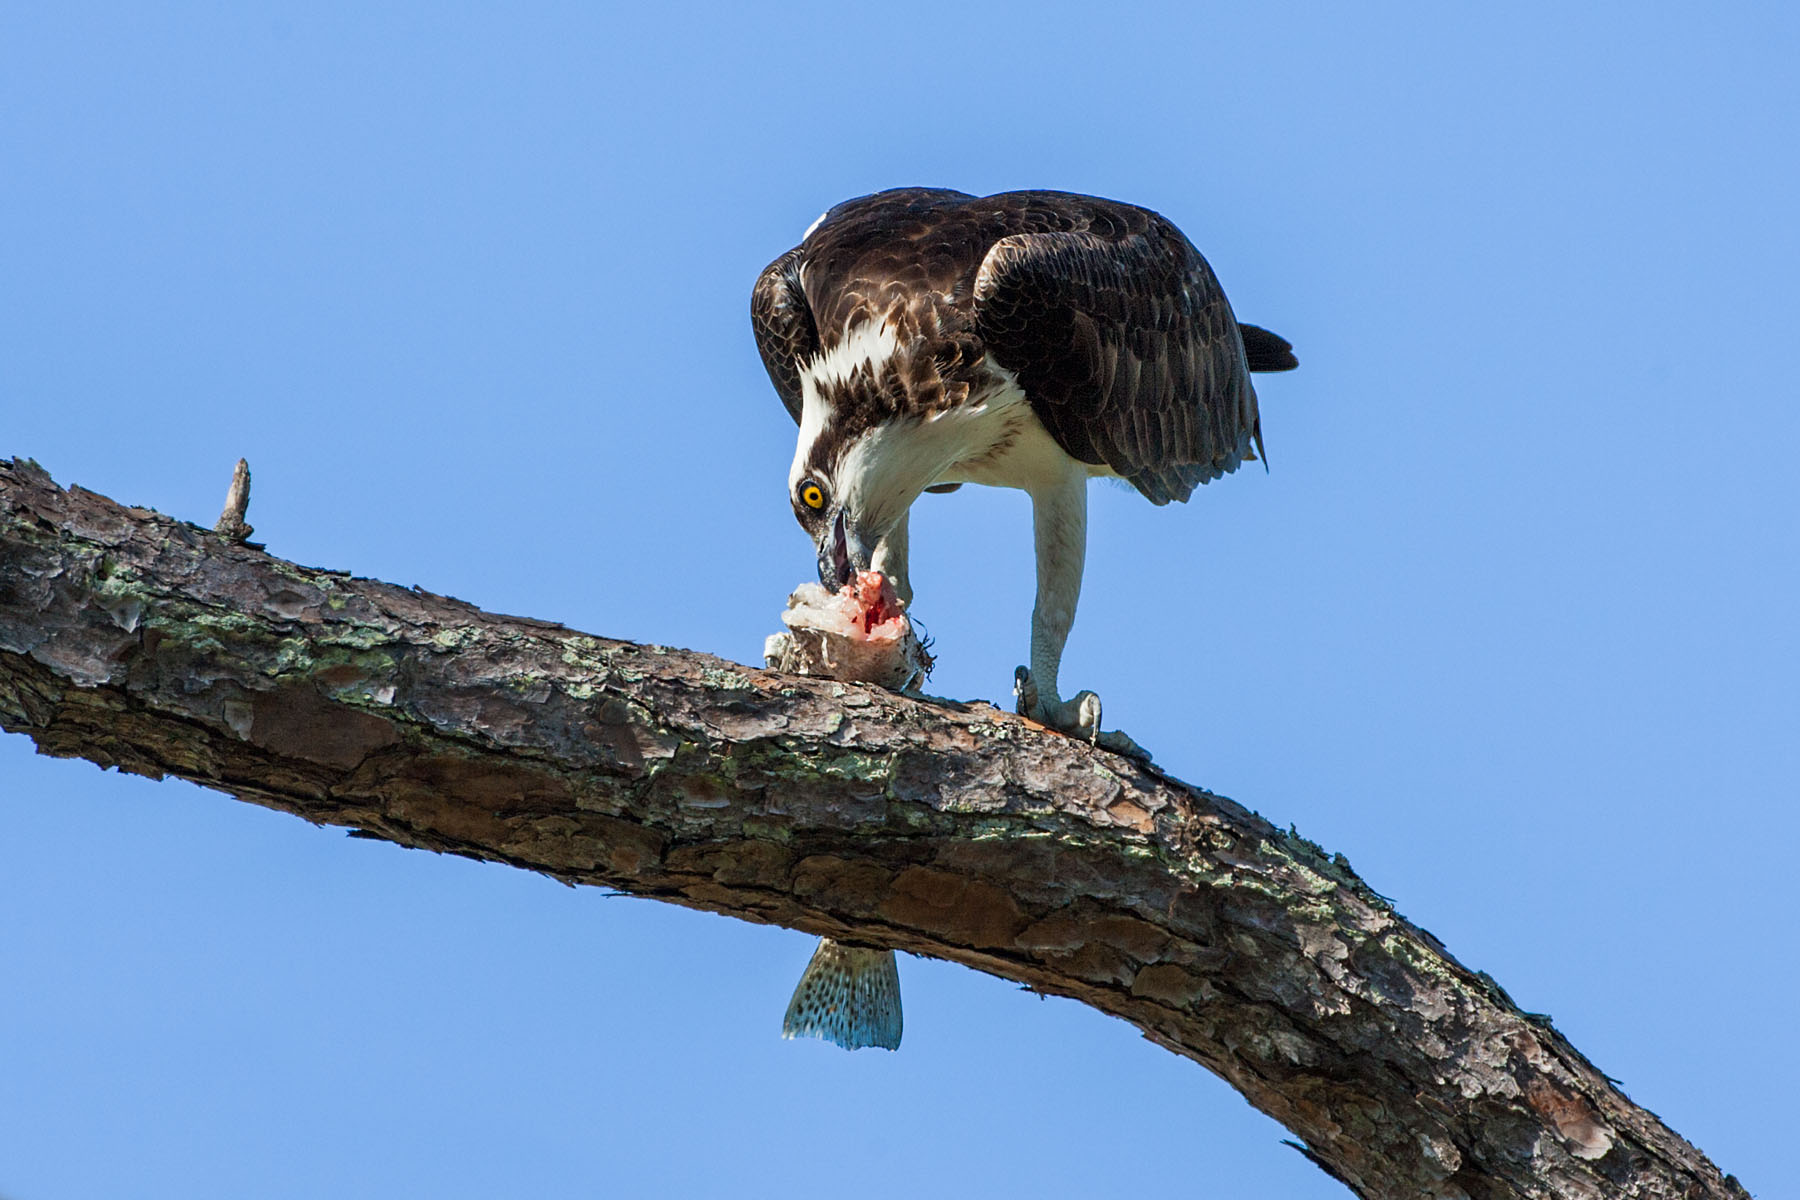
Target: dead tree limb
{"points": [[957, 831]]}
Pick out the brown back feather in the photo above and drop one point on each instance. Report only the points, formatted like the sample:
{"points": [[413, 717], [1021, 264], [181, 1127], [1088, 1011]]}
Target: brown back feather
{"points": [[1113, 323]]}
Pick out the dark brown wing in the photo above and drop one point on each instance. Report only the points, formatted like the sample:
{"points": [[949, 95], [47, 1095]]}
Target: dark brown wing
{"points": [[785, 333], [1127, 350], [868, 258]]}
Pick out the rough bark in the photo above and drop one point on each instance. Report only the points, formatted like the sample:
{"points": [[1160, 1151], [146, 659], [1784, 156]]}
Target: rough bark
{"points": [[952, 830]]}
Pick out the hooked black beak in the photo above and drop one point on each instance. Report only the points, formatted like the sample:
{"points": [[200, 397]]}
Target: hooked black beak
{"points": [[842, 552]]}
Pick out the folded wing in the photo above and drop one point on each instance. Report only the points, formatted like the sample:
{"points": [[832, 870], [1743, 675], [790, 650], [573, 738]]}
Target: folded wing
{"points": [[1126, 348]]}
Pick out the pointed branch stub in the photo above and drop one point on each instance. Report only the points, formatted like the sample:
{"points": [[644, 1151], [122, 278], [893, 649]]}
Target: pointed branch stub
{"points": [[237, 502]]}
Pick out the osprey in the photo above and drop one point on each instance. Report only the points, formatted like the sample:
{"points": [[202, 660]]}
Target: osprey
{"points": [[925, 338]]}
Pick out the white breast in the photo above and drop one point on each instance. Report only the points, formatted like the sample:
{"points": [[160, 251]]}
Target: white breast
{"points": [[1007, 445]]}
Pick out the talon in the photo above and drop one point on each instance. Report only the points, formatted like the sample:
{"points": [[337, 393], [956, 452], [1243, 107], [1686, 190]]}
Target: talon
{"points": [[1087, 715], [776, 648], [1025, 695], [1118, 742], [1077, 717]]}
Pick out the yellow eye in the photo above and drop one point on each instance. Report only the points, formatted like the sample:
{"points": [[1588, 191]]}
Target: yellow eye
{"points": [[812, 495]]}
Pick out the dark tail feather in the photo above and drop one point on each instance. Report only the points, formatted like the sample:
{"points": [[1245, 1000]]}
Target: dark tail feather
{"points": [[1265, 351]]}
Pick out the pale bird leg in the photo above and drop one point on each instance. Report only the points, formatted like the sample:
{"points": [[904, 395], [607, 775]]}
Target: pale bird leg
{"points": [[890, 559], [1059, 525], [1059, 521]]}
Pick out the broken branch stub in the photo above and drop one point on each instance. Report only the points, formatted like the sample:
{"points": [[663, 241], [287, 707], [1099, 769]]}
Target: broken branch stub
{"points": [[231, 521]]}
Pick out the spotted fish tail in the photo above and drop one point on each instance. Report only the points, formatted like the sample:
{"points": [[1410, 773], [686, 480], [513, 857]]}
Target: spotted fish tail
{"points": [[849, 995]]}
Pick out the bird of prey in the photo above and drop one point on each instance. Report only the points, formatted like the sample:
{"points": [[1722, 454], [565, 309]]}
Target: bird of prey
{"points": [[925, 338]]}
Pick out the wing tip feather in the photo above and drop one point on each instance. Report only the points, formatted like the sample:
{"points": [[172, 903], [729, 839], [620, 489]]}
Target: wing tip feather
{"points": [[1266, 351]]}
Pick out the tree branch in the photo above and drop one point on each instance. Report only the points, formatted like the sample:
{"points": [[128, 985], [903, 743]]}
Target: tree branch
{"points": [[956, 831]]}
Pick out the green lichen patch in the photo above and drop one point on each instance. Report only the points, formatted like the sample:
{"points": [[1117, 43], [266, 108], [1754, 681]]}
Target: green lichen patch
{"points": [[456, 637], [724, 679]]}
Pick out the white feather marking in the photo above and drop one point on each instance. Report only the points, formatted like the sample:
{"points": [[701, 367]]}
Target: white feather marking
{"points": [[815, 415], [868, 343], [817, 221], [865, 345], [964, 412]]}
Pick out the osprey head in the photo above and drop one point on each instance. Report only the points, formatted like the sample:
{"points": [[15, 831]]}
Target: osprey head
{"points": [[848, 496], [868, 446], [843, 546]]}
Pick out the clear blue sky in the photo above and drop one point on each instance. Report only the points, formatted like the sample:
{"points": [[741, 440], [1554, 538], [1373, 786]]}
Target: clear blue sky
{"points": [[1511, 623]]}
